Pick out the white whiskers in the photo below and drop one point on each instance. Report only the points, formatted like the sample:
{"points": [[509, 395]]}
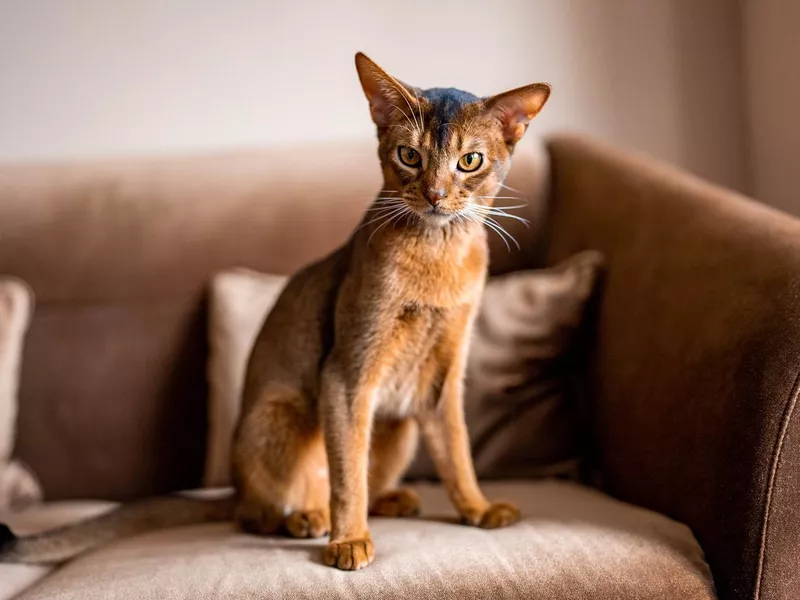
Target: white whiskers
{"points": [[394, 216], [510, 189], [385, 203], [485, 214], [413, 124], [389, 210]]}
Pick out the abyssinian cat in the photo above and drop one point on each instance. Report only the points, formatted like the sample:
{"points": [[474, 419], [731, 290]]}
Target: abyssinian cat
{"points": [[364, 348]]}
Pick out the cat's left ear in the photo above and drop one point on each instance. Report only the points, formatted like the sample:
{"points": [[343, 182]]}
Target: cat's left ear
{"points": [[386, 94], [515, 109]]}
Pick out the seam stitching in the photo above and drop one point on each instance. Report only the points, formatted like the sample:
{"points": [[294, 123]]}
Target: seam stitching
{"points": [[776, 459]]}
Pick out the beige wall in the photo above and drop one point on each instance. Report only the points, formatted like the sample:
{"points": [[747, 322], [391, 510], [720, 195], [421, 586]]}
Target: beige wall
{"points": [[96, 77], [772, 44]]}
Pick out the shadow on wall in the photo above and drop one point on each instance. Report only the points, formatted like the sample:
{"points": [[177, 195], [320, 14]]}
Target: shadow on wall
{"points": [[664, 77]]}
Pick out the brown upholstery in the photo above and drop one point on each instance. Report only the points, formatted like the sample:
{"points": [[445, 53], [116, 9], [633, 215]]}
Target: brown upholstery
{"points": [[693, 371], [119, 253], [695, 363]]}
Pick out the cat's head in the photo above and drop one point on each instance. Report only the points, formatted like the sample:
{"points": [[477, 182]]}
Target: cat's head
{"points": [[445, 152]]}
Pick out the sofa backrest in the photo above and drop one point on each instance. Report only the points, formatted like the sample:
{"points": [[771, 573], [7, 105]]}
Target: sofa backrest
{"points": [[119, 253]]}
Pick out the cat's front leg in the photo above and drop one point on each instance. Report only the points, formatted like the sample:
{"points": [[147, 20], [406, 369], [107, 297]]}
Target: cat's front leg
{"points": [[445, 433], [446, 438], [347, 421]]}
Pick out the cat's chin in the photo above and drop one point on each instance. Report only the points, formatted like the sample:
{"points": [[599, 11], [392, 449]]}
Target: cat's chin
{"points": [[437, 218]]}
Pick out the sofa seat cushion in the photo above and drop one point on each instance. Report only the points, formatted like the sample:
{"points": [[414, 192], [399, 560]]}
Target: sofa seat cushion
{"points": [[573, 542]]}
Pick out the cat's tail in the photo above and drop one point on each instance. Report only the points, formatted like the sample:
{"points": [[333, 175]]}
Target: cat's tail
{"points": [[61, 544]]}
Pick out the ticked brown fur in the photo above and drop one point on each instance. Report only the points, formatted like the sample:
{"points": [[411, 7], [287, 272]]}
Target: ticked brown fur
{"points": [[367, 347]]}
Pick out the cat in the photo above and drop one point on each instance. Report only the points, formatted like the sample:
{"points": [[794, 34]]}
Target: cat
{"points": [[365, 349]]}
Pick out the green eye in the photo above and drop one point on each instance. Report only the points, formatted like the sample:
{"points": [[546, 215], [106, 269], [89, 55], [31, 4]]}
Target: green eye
{"points": [[470, 162], [408, 156]]}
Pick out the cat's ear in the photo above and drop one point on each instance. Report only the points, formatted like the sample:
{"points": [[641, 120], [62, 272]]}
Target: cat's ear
{"points": [[386, 94], [515, 109]]}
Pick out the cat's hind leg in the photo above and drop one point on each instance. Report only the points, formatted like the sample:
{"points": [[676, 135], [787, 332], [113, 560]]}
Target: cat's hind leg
{"points": [[280, 468], [394, 444]]}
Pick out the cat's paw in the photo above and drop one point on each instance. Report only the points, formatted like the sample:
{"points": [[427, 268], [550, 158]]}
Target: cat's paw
{"points": [[498, 514], [402, 502], [349, 555], [307, 524]]}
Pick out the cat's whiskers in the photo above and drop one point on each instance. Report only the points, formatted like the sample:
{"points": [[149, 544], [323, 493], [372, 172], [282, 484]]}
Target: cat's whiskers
{"points": [[386, 199], [471, 215], [406, 127], [474, 211], [413, 124], [382, 210], [494, 226], [456, 125], [396, 215], [416, 124], [380, 199], [386, 216], [503, 198], [385, 206], [511, 189], [411, 108], [419, 107], [501, 212]]}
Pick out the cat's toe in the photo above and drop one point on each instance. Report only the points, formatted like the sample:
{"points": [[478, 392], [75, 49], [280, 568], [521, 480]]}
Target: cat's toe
{"points": [[307, 524], [397, 503], [349, 555], [499, 514]]}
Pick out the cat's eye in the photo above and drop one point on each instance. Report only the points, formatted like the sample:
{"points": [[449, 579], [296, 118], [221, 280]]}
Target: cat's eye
{"points": [[470, 162], [408, 156]]}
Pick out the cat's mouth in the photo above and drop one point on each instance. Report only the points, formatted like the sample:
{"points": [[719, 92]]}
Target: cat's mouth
{"points": [[437, 214], [434, 214]]}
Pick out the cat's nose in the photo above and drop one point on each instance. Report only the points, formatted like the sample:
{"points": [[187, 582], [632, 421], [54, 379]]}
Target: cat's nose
{"points": [[434, 195]]}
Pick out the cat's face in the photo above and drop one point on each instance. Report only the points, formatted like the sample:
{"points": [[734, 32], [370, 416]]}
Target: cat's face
{"points": [[445, 152]]}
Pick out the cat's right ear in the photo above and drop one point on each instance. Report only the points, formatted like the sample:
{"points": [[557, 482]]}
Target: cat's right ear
{"points": [[386, 94]]}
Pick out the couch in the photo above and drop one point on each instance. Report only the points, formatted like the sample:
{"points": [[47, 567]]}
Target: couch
{"points": [[692, 372]]}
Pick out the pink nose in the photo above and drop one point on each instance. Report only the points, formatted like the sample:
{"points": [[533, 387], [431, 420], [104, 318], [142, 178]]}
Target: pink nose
{"points": [[434, 195]]}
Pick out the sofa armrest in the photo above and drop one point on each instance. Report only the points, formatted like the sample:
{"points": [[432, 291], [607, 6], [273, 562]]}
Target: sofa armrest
{"points": [[695, 361]]}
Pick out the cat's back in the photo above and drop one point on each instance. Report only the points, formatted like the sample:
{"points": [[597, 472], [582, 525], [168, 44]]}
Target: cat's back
{"points": [[298, 332]]}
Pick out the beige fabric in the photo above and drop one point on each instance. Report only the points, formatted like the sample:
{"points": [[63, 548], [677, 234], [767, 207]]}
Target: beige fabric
{"points": [[34, 519], [18, 486], [573, 543], [519, 417], [240, 300]]}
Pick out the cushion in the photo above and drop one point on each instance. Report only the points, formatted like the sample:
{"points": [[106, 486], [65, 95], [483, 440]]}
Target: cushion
{"points": [[18, 486], [239, 301], [518, 411], [573, 542], [36, 518]]}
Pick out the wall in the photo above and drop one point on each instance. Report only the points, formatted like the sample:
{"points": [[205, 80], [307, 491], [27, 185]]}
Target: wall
{"points": [[97, 77], [772, 50]]}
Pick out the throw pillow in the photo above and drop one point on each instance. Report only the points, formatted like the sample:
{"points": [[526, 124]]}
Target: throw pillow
{"points": [[240, 301], [18, 485]]}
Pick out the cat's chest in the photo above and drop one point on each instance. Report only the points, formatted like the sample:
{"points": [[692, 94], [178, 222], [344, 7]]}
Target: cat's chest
{"points": [[415, 364], [434, 277]]}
